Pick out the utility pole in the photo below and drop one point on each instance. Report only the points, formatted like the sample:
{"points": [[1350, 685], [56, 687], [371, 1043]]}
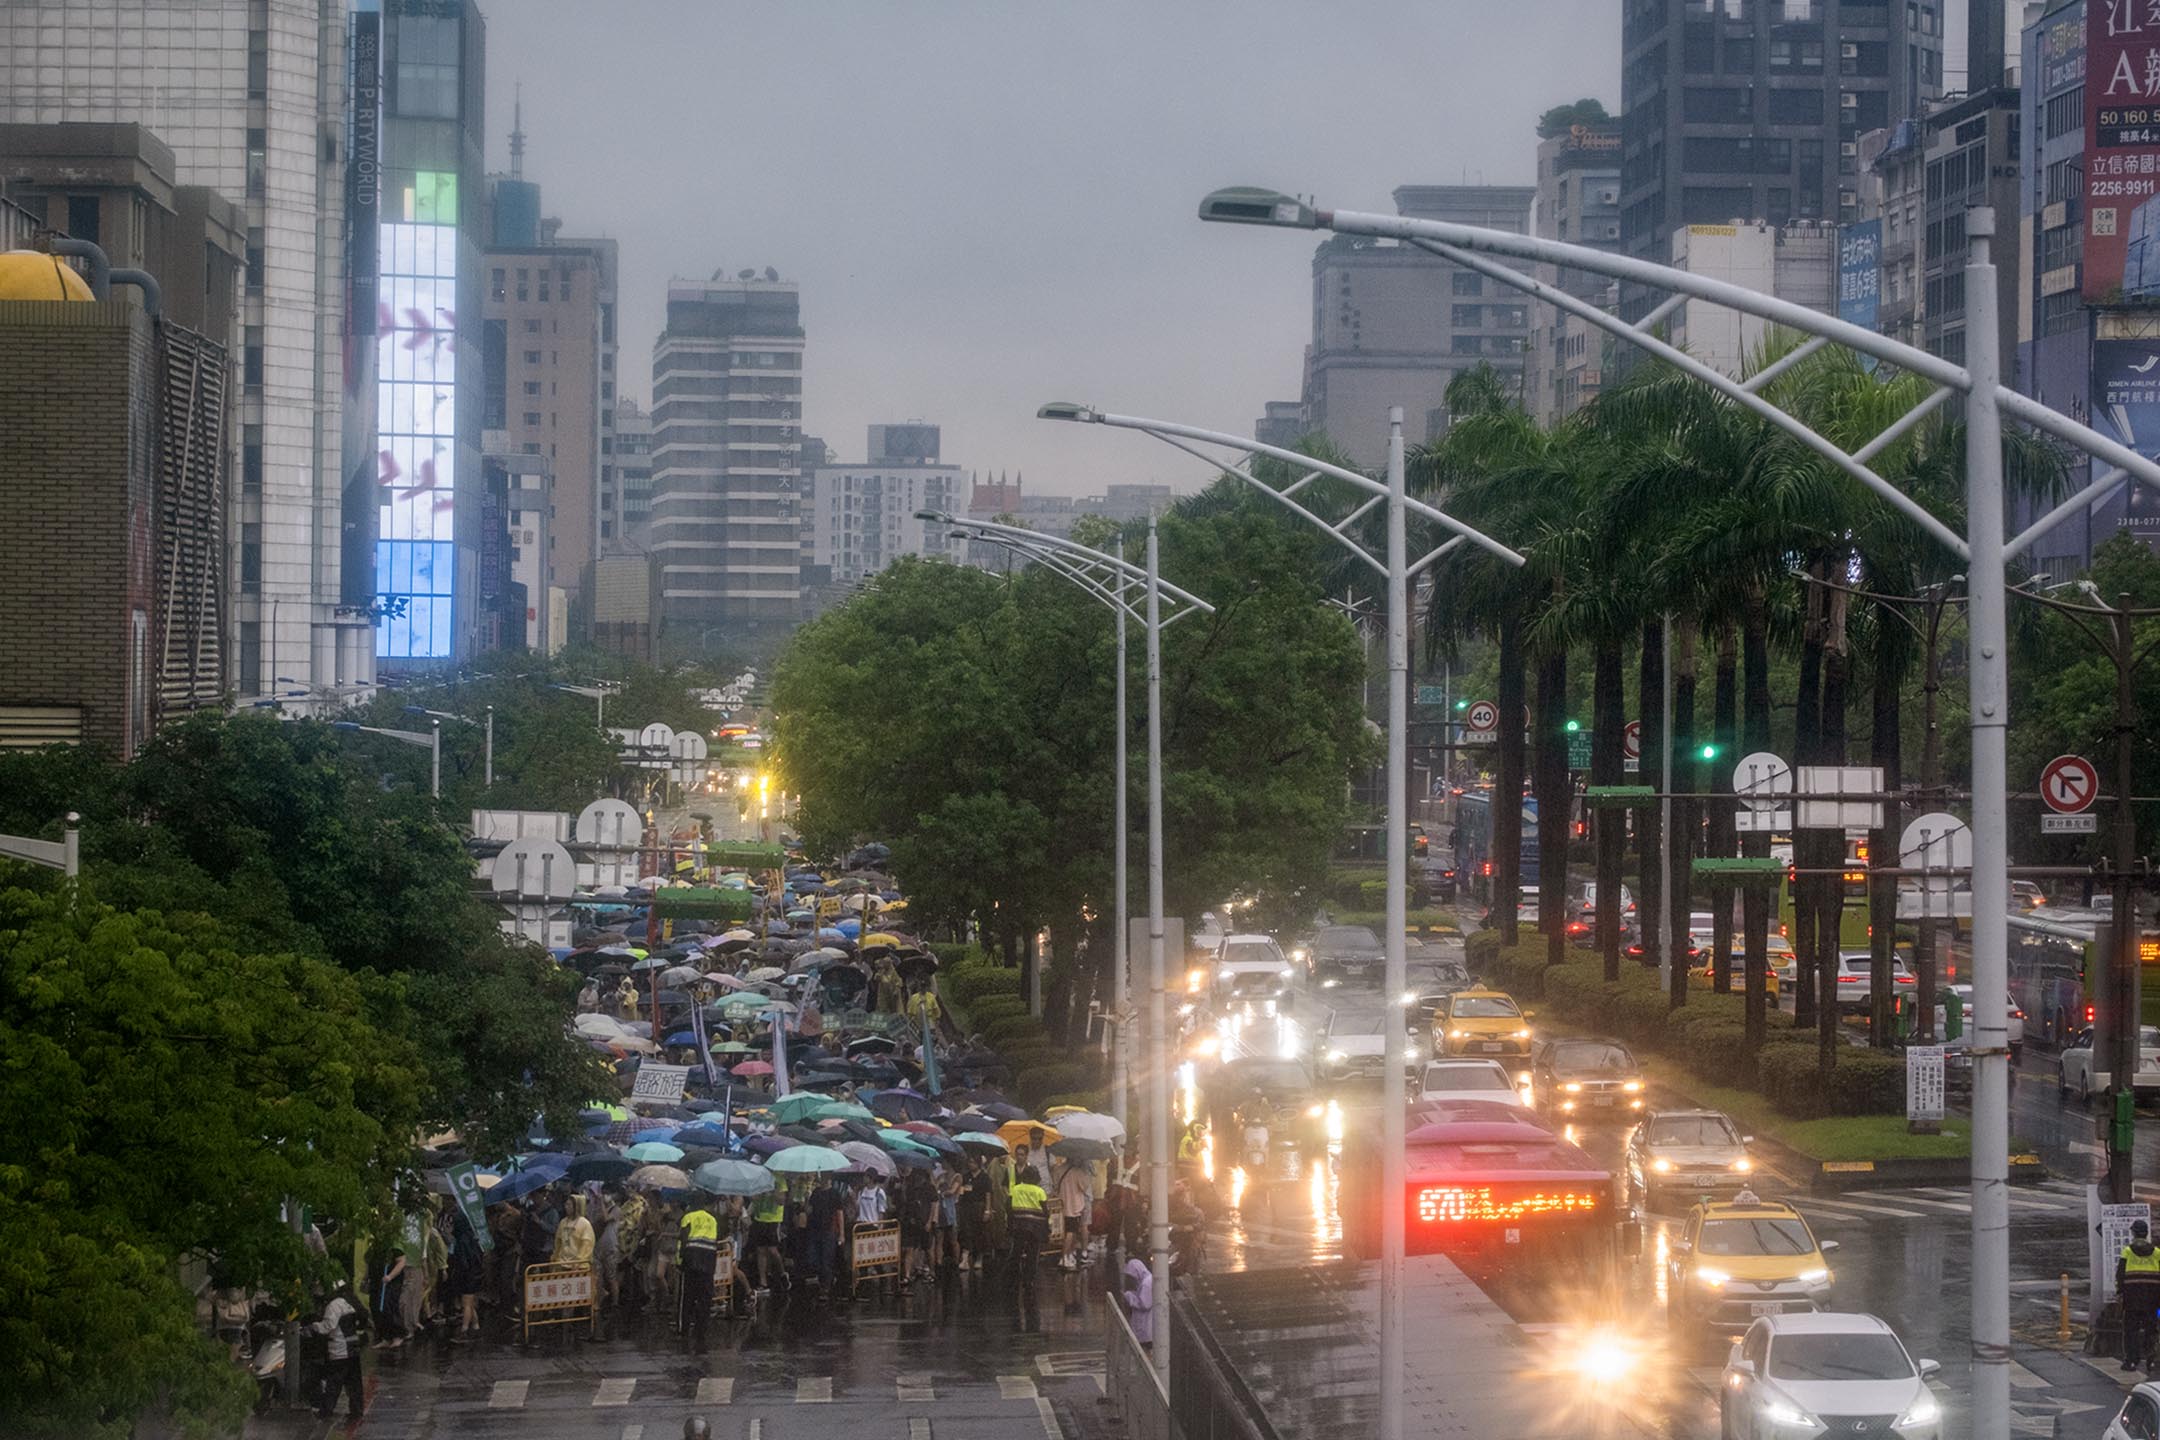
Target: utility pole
{"points": [[2122, 929], [1930, 760]]}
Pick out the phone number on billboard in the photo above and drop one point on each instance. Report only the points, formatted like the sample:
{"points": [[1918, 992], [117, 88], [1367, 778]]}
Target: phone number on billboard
{"points": [[2142, 186]]}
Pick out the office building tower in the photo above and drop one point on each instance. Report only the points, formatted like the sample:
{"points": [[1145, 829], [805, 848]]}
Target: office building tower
{"points": [[626, 481], [1393, 325], [1281, 423], [1578, 200], [252, 98], [727, 453], [1752, 110], [428, 352], [1971, 160], [863, 517], [1796, 263]]}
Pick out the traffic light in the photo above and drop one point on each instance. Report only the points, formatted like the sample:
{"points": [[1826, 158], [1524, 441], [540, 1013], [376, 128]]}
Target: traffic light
{"points": [[1462, 704], [1709, 752], [1574, 727]]}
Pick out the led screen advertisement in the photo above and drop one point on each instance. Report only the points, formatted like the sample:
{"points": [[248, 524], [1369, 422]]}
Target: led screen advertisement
{"points": [[2126, 408], [2122, 151], [416, 421]]}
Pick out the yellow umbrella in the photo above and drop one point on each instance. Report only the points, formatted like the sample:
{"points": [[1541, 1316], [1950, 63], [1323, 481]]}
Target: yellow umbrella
{"points": [[1022, 1132], [1056, 1110], [882, 938]]}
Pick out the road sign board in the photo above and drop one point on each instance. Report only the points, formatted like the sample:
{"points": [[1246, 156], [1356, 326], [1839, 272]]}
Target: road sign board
{"points": [[1762, 780], [2069, 824], [1924, 1084], [1578, 750], [1432, 695], [1631, 740], [2069, 784], [1482, 715]]}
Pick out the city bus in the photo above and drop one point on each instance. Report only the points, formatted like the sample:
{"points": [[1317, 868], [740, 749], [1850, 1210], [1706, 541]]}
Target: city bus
{"points": [[1504, 1195], [1473, 839]]}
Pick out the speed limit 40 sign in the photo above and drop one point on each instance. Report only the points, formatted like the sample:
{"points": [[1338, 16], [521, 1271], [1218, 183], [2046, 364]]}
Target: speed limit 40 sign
{"points": [[1481, 723]]}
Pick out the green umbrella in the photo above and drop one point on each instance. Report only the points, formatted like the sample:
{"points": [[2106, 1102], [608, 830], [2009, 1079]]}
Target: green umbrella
{"points": [[841, 1110], [800, 1106], [898, 1140], [806, 1160], [732, 1177]]}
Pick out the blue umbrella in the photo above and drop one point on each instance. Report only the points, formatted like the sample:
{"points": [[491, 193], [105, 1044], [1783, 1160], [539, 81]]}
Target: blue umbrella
{"points": [[523, 1183], [548, 1160], [655, 1152], [666, 1133], [681, 1037], [704, 1132], [848, 929]]}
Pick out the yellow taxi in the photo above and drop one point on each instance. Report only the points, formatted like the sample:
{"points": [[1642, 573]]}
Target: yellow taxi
{"points": [[1478, 1021], [1742, 1258], [1777, 955]]}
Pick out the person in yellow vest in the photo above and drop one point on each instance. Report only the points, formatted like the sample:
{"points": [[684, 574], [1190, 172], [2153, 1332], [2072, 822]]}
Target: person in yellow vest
{"points": [[766, 1213], [700, 1258], [1030, 1223], [2137, 1280]]}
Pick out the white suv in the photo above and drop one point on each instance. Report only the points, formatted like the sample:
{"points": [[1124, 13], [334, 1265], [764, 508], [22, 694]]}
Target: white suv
{"points": [[1826, 1374]]}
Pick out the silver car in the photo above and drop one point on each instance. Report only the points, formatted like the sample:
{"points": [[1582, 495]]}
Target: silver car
{"points": [[1687, 1152]]}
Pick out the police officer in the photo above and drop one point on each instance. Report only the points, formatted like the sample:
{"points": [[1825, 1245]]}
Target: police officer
{"points": [[2137, 1280], [699, 1257], [1030, 1225]]}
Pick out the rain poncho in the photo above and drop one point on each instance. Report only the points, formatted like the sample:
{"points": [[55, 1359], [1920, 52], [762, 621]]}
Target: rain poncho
{"points": [[1139, 1290]]}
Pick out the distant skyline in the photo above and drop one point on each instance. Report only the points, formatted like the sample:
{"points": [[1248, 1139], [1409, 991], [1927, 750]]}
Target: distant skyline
{"points": [[990, 205]]}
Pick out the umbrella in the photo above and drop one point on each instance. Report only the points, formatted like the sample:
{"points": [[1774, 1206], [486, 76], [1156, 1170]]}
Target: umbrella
{"points": [[549, 1160], [682, 1037], [1073, 1149], [752, 1067], [807, 1160], [596, 1024], [968, 1123], [765, 972], [733, 1047], [914, 1159], [1021, 1132], [659, 1177], [732, 1177], [645, 1137], [868, 1157], [679, 975], [898, 1140], [600, 1166], [765, 1145], [902, 1105], [650, 962], [1083, 1125], [841, 1110], [936, 1141], [705, 1132], [721, 977], [977, 1140], [523, 1183], [789, 1109], [653, 1152], [998, 1110]]}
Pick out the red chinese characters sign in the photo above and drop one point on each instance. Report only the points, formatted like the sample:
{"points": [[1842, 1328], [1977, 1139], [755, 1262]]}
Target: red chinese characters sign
{"points": [[2122, 150]]}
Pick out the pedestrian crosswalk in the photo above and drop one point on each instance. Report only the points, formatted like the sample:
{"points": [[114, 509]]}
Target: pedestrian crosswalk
{"points": [[561, 1392], [2051, 1201]]}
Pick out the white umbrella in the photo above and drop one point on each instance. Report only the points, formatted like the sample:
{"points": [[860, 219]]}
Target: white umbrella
{"points": [[1090, 1127], [595, 1024], [869, 1157], [679, 975], [766, 972], [739, 934]]}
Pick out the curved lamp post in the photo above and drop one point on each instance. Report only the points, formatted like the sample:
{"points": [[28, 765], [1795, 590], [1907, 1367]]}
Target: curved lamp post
{"points": [[1983, 547], [488, 725], [1135, 593], [429, 740], [1396, 572]]}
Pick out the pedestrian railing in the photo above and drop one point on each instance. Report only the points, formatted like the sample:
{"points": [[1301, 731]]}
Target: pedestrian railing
{"points": [[1138, 1402]]}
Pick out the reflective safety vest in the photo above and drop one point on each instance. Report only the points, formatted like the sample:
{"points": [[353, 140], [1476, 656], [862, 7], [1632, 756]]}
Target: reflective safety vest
{"points": [[767, 1211], [1026, 1195], [2136, 1264], [700, 1232]]}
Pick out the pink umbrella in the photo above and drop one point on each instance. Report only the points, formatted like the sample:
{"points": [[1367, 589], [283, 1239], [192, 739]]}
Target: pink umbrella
{"points": [[753, 1067]]}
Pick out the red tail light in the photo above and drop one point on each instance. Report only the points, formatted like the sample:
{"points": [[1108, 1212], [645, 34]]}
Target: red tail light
{"points": [[2088, 1014], [1848, 979]]}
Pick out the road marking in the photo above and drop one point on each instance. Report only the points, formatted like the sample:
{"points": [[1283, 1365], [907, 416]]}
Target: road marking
{"points": [[757, 1428], [633, 1432], [615, 1391], [918, 1428], [716, 1390], [1016, 1387], [1049, 1419], [2024, 1379], [913, 1388], [1836, 1205], [508, 1394], [813, 1390]]}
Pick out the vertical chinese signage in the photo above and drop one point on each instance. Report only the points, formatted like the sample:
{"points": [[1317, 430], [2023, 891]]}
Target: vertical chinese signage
{"points": [[363, 205], [1859, 275], [2122, 150]]}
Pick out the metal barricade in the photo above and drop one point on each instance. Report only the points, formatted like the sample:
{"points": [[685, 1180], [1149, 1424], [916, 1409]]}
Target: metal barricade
{"points": [[560, 1295], [1138, 1403]]}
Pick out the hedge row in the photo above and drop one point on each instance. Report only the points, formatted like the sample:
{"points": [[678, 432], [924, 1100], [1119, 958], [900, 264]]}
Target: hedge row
{"points": [[1707, 1036], [1044, 1071]]}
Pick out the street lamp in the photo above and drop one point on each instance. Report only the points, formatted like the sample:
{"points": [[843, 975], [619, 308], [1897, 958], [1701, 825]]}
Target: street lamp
{"points": [[1397, 572], [431, 741], [1112, 579], [466, 720], [599, 693], [1984, 549]]}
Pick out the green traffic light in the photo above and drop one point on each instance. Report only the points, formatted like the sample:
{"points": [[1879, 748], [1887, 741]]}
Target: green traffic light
{"points": [[1574, 727], [1462, 704], [1709, 752]]}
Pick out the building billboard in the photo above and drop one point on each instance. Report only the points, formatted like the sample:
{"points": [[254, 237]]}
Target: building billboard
{"points": [[1859, 274], [2126, 408], [416, 560], [2122, 151]]}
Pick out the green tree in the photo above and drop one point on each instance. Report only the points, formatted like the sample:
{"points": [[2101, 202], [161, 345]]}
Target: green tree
{"points": [[166, 1090], [1563, 118]]}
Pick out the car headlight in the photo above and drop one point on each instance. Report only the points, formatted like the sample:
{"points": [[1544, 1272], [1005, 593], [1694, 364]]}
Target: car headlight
{"points": [[1815, 1276], [1573, 1087], [1329, 983], [1708, 1275], [1458, 1034], [1297, 954], [1778, 1412], [1661, 1165], [1315, 1111], [1409, 997], [1923, 1411], [1337, 1055], [1633, 1087], [1743, 1165], [1411, 1053], [1523, 1034]]}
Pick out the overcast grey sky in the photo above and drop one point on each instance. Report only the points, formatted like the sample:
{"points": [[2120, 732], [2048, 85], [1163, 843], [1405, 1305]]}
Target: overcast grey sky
{"points": [[990, 203]]}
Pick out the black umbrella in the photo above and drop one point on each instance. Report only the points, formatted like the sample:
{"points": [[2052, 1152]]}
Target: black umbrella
{"points": [[872, 1044], [898, 1106], [602, 1166], [963, 1124]]}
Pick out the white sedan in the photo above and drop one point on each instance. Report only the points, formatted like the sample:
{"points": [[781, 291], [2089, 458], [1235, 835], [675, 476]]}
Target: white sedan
{"points": [[2082, 1077], [1826, 1374], [1468, 1079], [2139, 1418]]}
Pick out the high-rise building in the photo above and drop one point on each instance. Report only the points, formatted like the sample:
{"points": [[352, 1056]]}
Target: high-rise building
{"points": [[1393, 325], [1971, 160], [252, 98], [1893, 191], [626, 482], [1752, 110], [429, 363], [1578, 200], [863, 517], [727, 452], [1281, 423], [1797, 263], [550, 374]]}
